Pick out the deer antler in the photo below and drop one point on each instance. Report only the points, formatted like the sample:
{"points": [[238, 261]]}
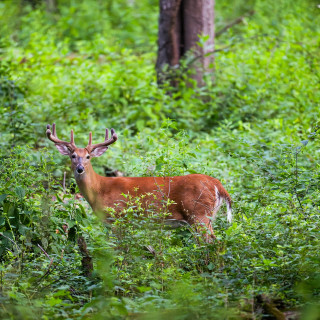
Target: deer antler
{"points": [[53, 137], [90, 147]]}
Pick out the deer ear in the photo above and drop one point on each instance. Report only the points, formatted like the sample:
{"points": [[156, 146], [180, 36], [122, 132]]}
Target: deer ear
{"points": [[63, 149], [97, 152]]}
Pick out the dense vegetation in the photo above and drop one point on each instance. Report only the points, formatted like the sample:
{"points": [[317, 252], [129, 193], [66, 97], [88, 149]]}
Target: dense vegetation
{"points": [[90, 65]]}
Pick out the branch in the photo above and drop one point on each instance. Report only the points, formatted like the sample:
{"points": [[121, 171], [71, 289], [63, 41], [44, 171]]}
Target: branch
{"points": [[64, 182], [1, 234], [225, 48], [44, 252], [233, 23]]}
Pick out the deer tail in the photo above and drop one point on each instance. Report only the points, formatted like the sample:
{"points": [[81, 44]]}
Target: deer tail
{"points": [[222, 194]]}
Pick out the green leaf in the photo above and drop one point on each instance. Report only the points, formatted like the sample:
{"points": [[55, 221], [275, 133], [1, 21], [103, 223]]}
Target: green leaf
{"points": [[211, 266], [82, 210], [2, 197], [44, 242], [144, 289], [59, 199], [192, 154], [20, 192]]}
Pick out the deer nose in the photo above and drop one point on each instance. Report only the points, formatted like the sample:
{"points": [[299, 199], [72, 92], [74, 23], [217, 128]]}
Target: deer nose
{"points": [[80, 169]]}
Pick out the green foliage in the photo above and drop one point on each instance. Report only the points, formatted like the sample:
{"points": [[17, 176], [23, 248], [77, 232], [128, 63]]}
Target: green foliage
{"points": [[38, 234], [90, 65]]}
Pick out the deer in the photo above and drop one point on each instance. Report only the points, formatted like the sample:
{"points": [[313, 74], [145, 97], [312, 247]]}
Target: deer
{"points": [[194, 198]]}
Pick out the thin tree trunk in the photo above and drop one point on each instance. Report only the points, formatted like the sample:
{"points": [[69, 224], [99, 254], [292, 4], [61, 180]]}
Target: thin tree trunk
{"points": [[86, 261], [169, 38], [199, 21], [51, 5], [181, 23]]}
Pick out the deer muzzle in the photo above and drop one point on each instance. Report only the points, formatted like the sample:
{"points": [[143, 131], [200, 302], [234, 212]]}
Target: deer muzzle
{"points": [[80, 169]]}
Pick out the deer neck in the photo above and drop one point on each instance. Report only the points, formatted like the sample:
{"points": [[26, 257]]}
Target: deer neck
{"points": [[89, 184]]}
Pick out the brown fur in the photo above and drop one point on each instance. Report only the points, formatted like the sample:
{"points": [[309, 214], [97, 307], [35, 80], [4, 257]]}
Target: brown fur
{"points": [[193, 195]]}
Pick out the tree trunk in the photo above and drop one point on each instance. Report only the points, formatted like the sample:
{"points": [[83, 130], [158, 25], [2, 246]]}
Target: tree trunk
{"points": [[86, 261], [169, 37], [51, 6], [33, 3], [181, 22]]}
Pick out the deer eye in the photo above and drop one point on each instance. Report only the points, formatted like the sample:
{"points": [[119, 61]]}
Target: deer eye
{"points": [[73, 156], [88, 157]]}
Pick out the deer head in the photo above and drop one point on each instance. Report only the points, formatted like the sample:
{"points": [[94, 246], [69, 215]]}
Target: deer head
{"points": [[80, 157]]}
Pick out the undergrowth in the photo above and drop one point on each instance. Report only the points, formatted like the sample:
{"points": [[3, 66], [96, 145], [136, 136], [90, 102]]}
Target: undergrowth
{"points": [[90, 65]]}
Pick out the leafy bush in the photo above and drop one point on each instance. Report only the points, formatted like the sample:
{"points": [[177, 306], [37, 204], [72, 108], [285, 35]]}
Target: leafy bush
{"points": [[37, 238]]}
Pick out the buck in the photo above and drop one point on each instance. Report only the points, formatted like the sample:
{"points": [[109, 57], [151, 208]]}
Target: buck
{"points": [[195, 198]]}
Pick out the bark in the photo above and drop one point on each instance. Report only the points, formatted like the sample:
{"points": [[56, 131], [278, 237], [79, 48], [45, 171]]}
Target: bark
{"points": [[181, 23], [51, 5], [33, 3], [86, 261], [199, 20], [169, 38]]}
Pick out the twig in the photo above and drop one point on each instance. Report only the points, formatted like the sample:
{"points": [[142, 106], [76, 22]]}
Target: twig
{"points": [[241, 40], [44, 252], [158, 186], [49, 270], [64, 182], [49, 267], [296, 184], [1, 234], [195, 201], [226, 47], [233, 23]]}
